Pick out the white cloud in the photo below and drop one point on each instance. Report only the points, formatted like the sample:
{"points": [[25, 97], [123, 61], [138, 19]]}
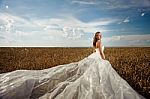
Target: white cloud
{"points": [[104, 21], [51, 26], [84, 2], [119, 22], [72, 33], [6, 16], [142, 14], [126, 20], [7, 7], [72, 27], [141, 3], [114, 4], [113, 38], [4, 40], [9, 21], [14, 28], [21, 33], [130, 4], [144, 37], [73, 22], [65, 31]]}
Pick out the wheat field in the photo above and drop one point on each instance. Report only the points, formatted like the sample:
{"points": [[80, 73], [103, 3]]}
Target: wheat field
{"points": [[131, 63]]}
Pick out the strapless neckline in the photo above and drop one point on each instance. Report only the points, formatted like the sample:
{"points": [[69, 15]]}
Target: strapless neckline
{"points": [[98, 48]]}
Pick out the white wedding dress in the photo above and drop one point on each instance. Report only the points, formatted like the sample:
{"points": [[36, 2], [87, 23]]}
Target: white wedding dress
{"points": [[89, 78]]}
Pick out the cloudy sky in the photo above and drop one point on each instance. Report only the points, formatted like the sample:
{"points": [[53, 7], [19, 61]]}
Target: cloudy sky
{"points": [[72, 23]]}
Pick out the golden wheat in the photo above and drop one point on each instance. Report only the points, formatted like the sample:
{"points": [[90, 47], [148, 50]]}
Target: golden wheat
{"points": [[132, 64]]}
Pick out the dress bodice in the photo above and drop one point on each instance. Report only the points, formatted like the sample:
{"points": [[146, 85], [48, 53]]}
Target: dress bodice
{"points": [[97, 49]]}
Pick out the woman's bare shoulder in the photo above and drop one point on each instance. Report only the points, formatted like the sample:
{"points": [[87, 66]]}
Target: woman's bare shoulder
{"points": [[98, 42]]}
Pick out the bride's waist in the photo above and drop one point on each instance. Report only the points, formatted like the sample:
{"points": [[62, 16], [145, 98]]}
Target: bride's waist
{"points": [[97, 52]]}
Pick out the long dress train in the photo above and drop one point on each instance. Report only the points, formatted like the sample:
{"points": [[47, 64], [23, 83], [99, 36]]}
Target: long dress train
{"points": [[89, 78]]}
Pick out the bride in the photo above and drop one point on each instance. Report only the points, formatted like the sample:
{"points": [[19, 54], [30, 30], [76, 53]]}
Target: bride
{"points": [[90, 78], [97, 45]]}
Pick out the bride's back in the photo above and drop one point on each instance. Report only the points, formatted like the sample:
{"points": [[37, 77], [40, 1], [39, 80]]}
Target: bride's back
{"points": [[98, 43], [97, 49]]}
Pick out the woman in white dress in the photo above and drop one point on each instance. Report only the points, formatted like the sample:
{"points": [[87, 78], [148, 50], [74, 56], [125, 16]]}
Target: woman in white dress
{"points": [[97, 44], [90, 78]]}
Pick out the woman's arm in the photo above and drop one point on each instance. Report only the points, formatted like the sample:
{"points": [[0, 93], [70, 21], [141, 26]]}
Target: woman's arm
{"points": [[99, 44]]}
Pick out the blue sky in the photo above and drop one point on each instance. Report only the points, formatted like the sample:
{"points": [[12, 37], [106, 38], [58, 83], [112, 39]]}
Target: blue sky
{"points": [[72, 23]]}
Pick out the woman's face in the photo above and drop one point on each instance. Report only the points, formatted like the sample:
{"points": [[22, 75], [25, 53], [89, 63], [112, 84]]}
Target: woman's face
{"points": [[98, 36]]}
